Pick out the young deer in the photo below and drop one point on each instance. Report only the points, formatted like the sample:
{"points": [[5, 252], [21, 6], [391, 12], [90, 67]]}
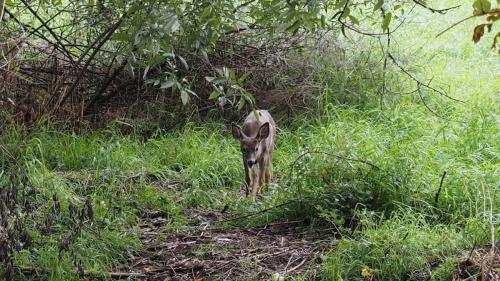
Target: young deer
{"points": [[257, 144]]}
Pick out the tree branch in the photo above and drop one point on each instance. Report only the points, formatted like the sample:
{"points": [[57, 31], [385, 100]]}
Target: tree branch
{"points": [[440, 11], [419, 83], [44, 24]]}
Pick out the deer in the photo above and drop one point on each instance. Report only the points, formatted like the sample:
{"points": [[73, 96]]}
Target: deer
{"points": [[257, 139]]}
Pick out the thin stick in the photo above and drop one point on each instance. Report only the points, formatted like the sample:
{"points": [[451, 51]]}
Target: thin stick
{"points": [[436, 197], [297, 266], [455, 24]]}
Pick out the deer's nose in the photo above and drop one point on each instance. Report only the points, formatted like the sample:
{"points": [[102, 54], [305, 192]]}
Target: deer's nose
{"points": [[250, 163]]}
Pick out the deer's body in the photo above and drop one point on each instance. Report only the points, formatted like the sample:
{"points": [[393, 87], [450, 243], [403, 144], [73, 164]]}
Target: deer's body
{"points": [[257, 138]]}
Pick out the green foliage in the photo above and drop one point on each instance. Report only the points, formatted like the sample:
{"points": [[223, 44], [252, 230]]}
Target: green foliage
{"points": [[402, 248], [166, 43]]}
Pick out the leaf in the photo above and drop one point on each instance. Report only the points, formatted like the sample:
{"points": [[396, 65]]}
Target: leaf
{"points": [[214, 94], [121, 36], [378, 5], [366, 272], [495, 16], [478, 33], [346, 13], [226, 72], [173, 25], [354, 20], [215, 80], [243, 77], [342, 28], [241, 103], [339, 5], [184, 97], [495, 41], [130, 69], [481, 7], [168, 83], [486, 5], [294, 27], [205, 55], [183, 61], [387, 21]]}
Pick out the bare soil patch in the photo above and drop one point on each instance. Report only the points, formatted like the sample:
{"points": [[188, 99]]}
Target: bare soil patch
{"points": [[279, 249]]}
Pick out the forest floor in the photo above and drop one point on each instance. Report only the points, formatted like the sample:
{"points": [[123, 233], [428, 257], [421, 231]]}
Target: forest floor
{"points": [[275, 250], [208, 252], [272, 251]]}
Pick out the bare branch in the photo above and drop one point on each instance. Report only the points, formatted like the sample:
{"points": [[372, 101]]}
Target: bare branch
{"points": [[419, 83], [440, 11]]}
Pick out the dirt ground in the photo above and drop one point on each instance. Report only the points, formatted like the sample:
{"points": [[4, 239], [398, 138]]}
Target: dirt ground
{"points": [[208, 253]]}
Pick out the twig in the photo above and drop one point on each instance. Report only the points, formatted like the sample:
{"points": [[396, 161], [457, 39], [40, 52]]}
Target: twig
{"points": [[119, 275], [262, 211], [68, 54], [465, 19], [419, 92], [418, 81], [436, 197], [103, 39], [297, 266], [441, 11], [453, 25], [243, 5], [116, 275]]}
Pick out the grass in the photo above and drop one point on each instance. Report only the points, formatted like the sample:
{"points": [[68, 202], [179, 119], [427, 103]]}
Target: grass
{"points": [[403, 234]]}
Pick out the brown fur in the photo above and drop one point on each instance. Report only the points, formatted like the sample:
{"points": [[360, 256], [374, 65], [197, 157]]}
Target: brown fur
{"points": [[257, 139]]}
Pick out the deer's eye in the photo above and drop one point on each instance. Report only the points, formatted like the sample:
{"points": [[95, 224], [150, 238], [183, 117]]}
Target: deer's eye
{"points": [[256, 148]]}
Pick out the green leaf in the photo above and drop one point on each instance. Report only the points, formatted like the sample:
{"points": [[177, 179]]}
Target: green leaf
{"points": [[173, 25], [387, 21], [378, 5], [168, 83], [495, 40], [183, 61], [354, 20], [481, 7], [184, 97], [486, 4], [241, 103], [339, 5], [346, 13], [121, 36], [214, 94], [205, 55], [342, 28], [294, 27], [215, 80]]}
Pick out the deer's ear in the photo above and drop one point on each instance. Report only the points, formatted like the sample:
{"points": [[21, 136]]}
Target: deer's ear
{"points": [[236, 131], [263, 131]]}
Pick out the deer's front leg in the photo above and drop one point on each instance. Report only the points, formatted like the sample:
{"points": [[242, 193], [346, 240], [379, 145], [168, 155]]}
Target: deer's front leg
{"points": [[266, 173], [247, 176], [255, 182]]}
